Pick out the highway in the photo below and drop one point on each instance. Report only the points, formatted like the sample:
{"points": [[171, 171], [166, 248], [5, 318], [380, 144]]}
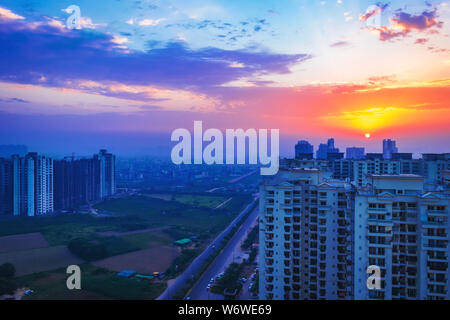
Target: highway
{"points": [[230, 253], [194, 267]]}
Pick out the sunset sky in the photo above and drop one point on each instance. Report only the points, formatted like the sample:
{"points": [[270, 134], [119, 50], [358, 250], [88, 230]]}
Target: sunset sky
{"points": [[136, 70]]}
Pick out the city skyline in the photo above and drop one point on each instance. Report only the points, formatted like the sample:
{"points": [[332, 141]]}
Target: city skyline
{"points": [[144, 69]]}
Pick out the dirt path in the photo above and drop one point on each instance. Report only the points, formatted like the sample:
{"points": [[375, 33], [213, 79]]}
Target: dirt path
{"points": [[223, 203], [119, 234]]}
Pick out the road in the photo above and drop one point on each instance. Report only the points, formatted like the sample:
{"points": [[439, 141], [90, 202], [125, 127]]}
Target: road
{"points": [[245, 292], [194, 267], [242, 177], [231, 252]]}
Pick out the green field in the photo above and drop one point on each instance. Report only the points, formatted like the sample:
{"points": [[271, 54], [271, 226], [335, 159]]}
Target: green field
{"points": [[207, 201], [149, 239], [157, 212], [96, 283], [135, 227], [134, 213]]}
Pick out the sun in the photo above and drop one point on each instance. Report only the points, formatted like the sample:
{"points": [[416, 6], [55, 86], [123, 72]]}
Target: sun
{"points": [[367, 135]]}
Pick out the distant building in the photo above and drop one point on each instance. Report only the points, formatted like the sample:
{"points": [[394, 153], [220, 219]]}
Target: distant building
{"points": [[304, 150], [77, 182], [335, 156], [6, 186], [325, 149], [355, 153], [401, 156], [389, 148], [363, 169], [107, 173], [322, 152], [32, 185], [374, 156]]}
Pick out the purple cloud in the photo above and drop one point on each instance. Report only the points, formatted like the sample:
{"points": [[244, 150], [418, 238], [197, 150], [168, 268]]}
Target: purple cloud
{"points": [[51, 56], [403, 23]]}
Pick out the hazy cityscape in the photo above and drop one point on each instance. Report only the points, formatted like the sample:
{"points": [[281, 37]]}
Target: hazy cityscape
{"points": [[309, 232]]}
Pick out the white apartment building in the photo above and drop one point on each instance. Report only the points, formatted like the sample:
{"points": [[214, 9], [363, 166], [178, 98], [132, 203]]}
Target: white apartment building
{"points": [[44, 185], [404, 230], [363, 169], [32, 185], [305, 237]]}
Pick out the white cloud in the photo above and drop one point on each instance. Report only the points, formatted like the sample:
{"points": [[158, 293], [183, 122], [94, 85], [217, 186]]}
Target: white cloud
{"points": [[8, 14], [151, 22]]}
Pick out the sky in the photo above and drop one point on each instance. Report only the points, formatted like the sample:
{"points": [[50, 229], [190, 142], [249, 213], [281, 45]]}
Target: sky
{"points": [[134, 71]]}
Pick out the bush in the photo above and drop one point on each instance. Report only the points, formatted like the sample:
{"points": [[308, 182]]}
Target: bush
{"points": [[230, 279], [87, 250], [251, 238], [99, 247], [7, 270]]}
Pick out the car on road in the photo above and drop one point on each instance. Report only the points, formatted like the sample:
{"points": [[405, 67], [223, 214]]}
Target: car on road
{"points": [[243, 280], [208, 287], [29, 292], [211, 280]]}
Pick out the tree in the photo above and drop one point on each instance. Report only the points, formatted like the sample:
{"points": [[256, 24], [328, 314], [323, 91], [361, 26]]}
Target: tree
{"points": [[7, 286], [7, 270]]}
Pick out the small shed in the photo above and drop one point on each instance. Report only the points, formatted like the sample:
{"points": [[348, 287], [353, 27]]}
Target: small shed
{"points": [[182, 242], [126, 273]]}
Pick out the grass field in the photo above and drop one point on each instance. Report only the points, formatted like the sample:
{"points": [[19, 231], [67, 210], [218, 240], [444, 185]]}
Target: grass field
{"points": [[149, 239], [96, 283], [136, 232], [208, 201], [58, 230], [158, 212]]}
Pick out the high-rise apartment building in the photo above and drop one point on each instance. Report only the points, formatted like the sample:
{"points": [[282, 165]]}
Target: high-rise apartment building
{"points": [[389, 148], [107, 173], [325, 149], [304, 150], [434, 165], [77, 182], [32, 185], [6, 186], [318, 237], [35, 185], [363, 169], [355, 153], [403, 230], [305, 237]]}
